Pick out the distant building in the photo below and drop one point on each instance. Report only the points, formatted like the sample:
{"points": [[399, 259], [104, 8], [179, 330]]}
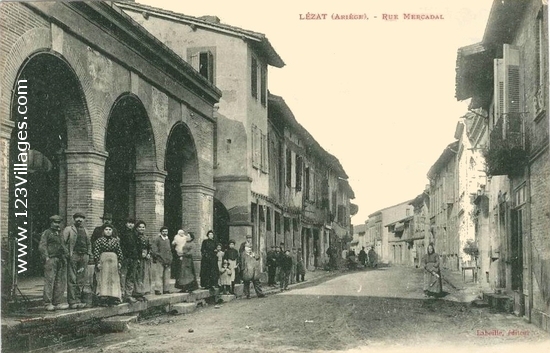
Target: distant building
{"points": [[378, 230]]}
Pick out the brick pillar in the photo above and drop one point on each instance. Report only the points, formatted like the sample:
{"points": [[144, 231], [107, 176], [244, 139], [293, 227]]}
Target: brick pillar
{"points": [[198, 213], [149, 198], [84, 180]]}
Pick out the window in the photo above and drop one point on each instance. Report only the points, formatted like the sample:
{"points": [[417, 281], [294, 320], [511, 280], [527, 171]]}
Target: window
{"points": [[288, 167], [299, 171], [307, 185], [263, 85], [202, 60], [256, 141], [263, 152], [268, 219], [254, 78]]}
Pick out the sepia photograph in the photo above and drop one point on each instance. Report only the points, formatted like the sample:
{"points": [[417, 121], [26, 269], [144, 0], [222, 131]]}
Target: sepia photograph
{"points": [[291, 176]]}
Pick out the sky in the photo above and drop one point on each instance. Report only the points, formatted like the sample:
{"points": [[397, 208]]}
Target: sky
{"points": [[377, 94]]}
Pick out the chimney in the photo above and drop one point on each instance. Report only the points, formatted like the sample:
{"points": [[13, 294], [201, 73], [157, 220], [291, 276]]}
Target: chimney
{"points": [[209, 18]]}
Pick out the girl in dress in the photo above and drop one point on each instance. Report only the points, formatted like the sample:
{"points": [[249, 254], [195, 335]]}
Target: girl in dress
{"points": [[225, 277], [186, 280]]}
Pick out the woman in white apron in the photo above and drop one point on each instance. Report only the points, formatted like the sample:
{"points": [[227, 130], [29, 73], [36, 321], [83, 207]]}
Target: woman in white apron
{"points": [[107, 257]]}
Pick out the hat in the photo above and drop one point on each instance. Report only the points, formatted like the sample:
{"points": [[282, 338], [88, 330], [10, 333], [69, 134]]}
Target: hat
{"points": [[56, 218], [79, 214], [107, 216], [130, 220], [232, 242]]}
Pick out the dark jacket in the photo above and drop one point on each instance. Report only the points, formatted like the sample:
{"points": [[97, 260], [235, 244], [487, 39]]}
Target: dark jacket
{"points": [[70, 237], [286, 263], [131, 249], [52, 244], [251, 267]]}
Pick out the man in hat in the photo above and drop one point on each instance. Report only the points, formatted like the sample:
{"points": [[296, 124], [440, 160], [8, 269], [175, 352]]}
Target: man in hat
{"points": [[79, 249], [271, 266], [242, 248], [98, 231], [131, 255], [54, 252]]}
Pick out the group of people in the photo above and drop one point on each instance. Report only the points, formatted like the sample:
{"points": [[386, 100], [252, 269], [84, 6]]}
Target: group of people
{"points": [[285, 266], [109, 266]]}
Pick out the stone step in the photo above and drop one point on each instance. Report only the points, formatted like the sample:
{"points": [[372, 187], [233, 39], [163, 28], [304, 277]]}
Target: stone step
{"points": [[499, 302], [182, 308], [117, 323], [226, 298], [479, 303]]}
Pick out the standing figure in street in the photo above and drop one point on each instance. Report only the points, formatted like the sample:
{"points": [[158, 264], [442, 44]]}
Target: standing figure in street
{"points": [[107, 258], [286, 268], [251, 272], [271, 266], [131, 255], [79, 249], [432, 273], [186, 280], [54, 252], [300, 267], [363, 257], [294, 257], [332, 262], [232, 256], [161, 253], [225, 277], [373, 258], [143, 274], [244, 244], [279, 253], [209, 262]]}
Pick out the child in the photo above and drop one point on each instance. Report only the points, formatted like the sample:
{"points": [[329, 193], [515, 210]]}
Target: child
{"points": [[286, 268], [219, 254], [179, 242], [232, 256], [225, 277]]}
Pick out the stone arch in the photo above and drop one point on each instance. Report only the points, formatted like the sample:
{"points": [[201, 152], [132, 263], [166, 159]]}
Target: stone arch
{"points": [[131, 174], [39, 41], [48, 110], [181, 166]]}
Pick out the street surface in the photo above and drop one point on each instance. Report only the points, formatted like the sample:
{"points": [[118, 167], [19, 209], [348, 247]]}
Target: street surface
{"points": [[376, 310]]}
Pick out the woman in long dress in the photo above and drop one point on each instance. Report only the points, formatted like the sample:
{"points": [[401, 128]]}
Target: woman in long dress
{"points": [[187, 279], [209, 262], [108, 258], [432, 273]]}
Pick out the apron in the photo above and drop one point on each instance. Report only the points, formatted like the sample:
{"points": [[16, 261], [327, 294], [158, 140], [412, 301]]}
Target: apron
{"points": [[108, 278]]}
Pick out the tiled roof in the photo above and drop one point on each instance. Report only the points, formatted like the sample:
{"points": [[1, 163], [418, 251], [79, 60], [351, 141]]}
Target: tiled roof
{"points": [[258, 40]]}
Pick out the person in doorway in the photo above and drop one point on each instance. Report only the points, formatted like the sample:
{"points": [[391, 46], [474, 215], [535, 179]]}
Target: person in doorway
{"points": [[209, 262], [130, 261], [271, 266], [108, 260], [294, 257], [251, 272], [232, 256], [432, 274], [54, 252], [186, 281], [300, 267], [79, 250], [161, 252]]}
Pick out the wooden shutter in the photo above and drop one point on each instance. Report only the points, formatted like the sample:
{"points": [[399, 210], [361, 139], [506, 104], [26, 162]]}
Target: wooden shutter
{"points": [[512, 125], [194, 61]]}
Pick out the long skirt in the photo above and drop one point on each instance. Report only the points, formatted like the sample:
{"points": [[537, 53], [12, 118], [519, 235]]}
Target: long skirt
{"points": [[209, 271], [187, 279], [432, 283], [108, 279]]}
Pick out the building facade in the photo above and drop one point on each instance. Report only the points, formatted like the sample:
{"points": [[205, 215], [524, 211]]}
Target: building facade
{"points": [[85, 131], [506, 78]]}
